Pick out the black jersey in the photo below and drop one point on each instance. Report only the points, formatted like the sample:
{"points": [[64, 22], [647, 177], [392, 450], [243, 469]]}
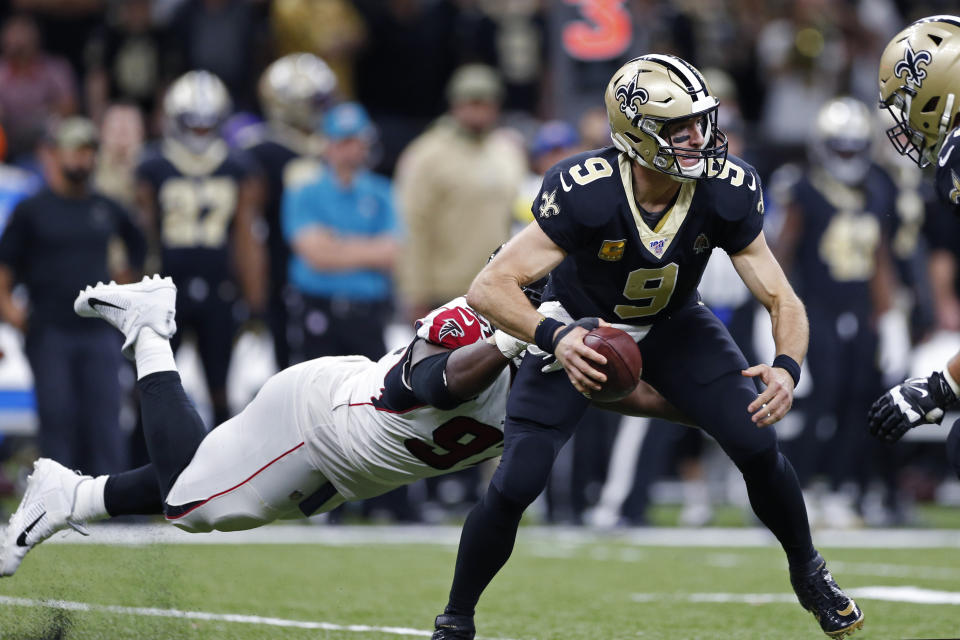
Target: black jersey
{"points": [[284, 164], [272, 157], [56, 246], [948, 171], [617, 267], [842, 230], [196, 201]]}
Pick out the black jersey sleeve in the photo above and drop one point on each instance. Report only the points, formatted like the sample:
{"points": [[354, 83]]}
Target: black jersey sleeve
{"points": [[739, 202], [553, 212], [948, 171], [578, 196]]}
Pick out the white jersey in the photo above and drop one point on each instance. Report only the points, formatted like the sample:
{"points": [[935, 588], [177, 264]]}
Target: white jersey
{"points": [[368, 433], [345, 423]]}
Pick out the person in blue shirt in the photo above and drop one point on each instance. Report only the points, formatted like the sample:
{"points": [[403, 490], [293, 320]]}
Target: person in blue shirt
{"points": [[342, 229]]}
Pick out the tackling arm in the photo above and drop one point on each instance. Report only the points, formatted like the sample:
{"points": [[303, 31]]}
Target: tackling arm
{"points": [[467, 371], [646, 402]]}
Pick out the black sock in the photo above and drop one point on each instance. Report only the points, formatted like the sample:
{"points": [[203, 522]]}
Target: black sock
{"points": [[777, 500], [171, 426], [485, 545], [133, 492]]}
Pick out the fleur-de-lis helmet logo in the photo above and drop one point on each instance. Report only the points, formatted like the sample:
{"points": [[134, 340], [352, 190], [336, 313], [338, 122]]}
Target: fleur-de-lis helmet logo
{"points": [[910, 66], [630, 93]]}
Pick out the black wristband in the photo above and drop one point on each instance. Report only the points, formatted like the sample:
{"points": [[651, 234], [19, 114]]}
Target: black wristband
{"points": [[784, 361], [543, 336], [587, 323]]}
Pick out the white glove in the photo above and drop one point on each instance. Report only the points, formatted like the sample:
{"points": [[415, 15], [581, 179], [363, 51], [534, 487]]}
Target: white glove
{"points": [[509, 346]]}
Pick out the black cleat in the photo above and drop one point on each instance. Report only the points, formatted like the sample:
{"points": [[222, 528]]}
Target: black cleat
{"points": [[451, 627], [818, 593]]}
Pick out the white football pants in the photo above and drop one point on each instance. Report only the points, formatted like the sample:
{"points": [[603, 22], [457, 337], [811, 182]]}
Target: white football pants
{"points": [[253, 468]]}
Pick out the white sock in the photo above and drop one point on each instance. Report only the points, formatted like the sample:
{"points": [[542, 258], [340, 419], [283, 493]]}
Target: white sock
{"points": [[152, 353], [88, 503]]}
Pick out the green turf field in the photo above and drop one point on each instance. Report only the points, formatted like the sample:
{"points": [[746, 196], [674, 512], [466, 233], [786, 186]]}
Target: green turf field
{"points": [[555, 586]]}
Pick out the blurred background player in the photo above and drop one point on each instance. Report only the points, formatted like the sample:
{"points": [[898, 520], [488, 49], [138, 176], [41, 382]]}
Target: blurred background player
{"points": [[199, 202], [835, 246], [55, 241], [456, 187], [919, 87], [295, 91]]}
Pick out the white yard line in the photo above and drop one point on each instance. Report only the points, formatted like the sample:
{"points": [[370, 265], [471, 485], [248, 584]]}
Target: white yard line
{"points": [[136, 535], [913, 595], [211, 617]]}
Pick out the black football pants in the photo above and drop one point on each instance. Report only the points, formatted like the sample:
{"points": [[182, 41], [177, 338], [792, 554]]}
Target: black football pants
{"points": [[692, 360]]}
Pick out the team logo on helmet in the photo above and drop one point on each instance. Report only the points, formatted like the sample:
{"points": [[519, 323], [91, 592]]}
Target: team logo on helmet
{"points": [[628, 94], [549, 206], [909, 67]]}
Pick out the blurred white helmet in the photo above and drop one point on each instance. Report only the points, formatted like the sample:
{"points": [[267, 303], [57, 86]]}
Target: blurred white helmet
{"points": [[195, 106], [296, 90], [843, 139]]}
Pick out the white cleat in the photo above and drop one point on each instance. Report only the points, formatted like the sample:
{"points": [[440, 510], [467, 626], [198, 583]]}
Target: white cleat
{"points": [[45, 509], [152, 302]]}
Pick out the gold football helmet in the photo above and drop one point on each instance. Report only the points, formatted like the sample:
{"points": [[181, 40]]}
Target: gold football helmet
{"points": [[645, 97], [296, 89], [919, 86]]}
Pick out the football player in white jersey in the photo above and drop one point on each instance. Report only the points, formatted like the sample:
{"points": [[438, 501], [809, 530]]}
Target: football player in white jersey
{"points": [[920, 87], [317, 434]]}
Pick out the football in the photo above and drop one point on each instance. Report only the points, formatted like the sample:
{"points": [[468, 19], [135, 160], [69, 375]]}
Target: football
{"points": [[624, 364]]}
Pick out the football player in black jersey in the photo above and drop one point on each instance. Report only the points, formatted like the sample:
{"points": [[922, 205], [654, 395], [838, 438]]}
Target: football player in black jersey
{"points": [[625, 233], [200, 202], [920, 87], [835, 245], [295, 91]]}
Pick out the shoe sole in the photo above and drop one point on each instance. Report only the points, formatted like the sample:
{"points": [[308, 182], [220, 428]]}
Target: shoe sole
{"points": [[149, 284], [848, 630]]}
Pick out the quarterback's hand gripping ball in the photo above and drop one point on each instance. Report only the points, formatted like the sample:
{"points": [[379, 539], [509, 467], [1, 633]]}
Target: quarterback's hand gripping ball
{"points": [[624, 363]]}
